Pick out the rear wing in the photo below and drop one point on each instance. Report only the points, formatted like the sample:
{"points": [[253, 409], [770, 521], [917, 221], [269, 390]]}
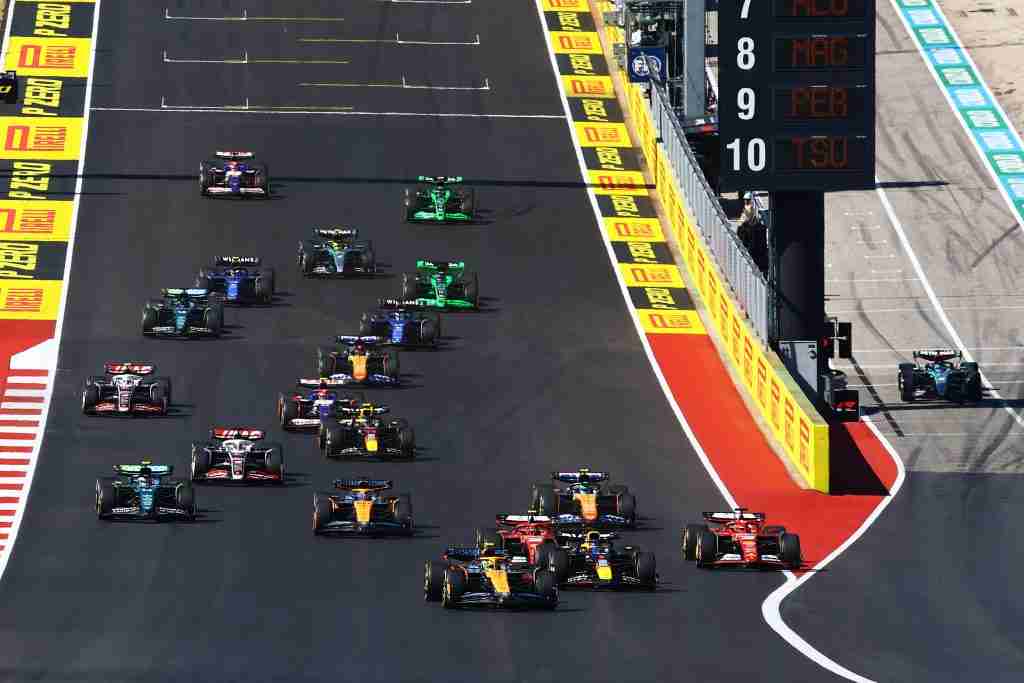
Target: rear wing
{"points": [[158, 470], [132, 367], [189, 292], [440, 265], [580, 476], [938, 355], [734, 516], [349, 340], [363, 484], [439, 178], [237, 261], [581, 531], [336, 233], [465, 553], [237, 433], [512, 520], [220, 154], [354, 409], [409, 304], [332, 381]]}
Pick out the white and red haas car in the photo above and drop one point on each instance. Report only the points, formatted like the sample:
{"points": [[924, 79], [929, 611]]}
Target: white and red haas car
{"points": [[740, 539], [234, 454], [126, 389]]}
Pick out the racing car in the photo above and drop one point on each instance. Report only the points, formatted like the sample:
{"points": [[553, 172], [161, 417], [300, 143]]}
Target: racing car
{"points": [[362, 508], [358, 360], [584, 500], [144, 492], [9, 86], [233, 173], [740, 539], [234, 454], [238, 279], [336, 251], [126, 389], [534, 537], [306, 411], [361, 431], [184, 313], [937, 377], [407, 326], [439, 199], [595, 562], [440, 285], [467, 576]]}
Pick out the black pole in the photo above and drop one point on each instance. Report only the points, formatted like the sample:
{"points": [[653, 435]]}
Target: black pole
{"points": [[798, 253]]}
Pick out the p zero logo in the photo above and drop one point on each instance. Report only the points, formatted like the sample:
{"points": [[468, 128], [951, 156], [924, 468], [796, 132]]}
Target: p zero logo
{"points": [[617, 182], [565, 42], [598, 134], [670, 322], [35, 220], [565, 5], [29, 300], [40, 138], [633, 230], [67, 57], [651, 274], [588, 86]]}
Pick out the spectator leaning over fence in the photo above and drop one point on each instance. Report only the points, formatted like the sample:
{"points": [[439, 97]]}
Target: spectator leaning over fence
{"points": [[753, 233]]}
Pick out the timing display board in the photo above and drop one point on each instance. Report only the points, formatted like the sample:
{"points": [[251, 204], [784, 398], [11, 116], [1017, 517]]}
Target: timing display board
{"points": [[797, 94]]}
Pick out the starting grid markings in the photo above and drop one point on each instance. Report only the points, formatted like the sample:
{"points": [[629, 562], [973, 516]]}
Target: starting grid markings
{"points": [[50, 47], [969, 95], [645, 262]]}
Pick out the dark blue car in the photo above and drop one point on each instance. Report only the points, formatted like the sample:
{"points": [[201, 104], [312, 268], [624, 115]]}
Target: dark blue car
{"points": [[402, 325], [240, 279], [235, 174]]}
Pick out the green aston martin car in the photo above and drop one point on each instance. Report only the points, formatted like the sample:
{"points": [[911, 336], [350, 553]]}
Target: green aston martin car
{"points": [[441, 285], [439, 199]]}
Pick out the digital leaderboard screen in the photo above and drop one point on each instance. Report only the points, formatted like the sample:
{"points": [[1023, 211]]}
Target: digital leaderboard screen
{"points": [[797, 94]]}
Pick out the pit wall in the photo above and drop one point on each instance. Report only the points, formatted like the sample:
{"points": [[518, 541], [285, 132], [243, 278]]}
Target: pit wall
{"points": [[784, 412]]}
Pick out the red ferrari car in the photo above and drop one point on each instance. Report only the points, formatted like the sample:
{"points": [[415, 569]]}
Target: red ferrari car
{"points": [[533, 537], [740, 539]]}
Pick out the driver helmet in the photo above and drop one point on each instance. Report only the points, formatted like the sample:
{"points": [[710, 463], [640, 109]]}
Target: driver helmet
{"points": [[359, 348], [144, 477]]}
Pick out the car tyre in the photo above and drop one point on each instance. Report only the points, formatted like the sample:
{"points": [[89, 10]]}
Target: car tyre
{"points": [[691, 534], [287, 410], [332, 439], [707, 549], [544, 500], [322, 511], [105, 497], [905, 379], [546, 585], [433, 580], [789, 551], [90, 397], [454, 588]]}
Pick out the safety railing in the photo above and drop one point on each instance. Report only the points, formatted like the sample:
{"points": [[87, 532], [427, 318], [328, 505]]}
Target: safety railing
{"points": [[750, 288]]}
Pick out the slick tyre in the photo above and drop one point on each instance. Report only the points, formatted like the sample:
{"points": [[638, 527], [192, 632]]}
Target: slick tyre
{"points": [[647, 570], [544, 553], [185, 499], [544, 500], [707, 549], [165, 382], [408, 205], [429, 331], [691, 534], [321, 513], [90, 397], [789, 551], [558, 565], [905, 380], [332, 440], [275, 464], [213, 320], [974, 393], [454, 588], [627, 507], [324, 365], [472, 290], [200, 464], [546, 585], [392, 366], [468, 203], [265, 286], [105, 496], [409, 288], [204, 180], [403, 512], [287, 410], [433, 580], [407, 442], [148, 320]]}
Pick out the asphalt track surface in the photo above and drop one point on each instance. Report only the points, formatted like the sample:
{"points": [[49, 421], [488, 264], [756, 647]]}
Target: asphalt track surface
{"points": [[551, 374], [938, 595]]}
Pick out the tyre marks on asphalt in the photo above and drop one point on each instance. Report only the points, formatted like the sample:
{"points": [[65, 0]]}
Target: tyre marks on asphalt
{"points": [[42, 135]]}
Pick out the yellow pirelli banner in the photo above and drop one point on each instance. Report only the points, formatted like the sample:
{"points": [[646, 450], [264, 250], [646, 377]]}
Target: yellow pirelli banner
{"points": [[796, 425]]}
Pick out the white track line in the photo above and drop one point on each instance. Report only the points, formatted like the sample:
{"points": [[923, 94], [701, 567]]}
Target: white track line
{"points": [[312, 112], [51, 358], [245, 17], [397, 41]]}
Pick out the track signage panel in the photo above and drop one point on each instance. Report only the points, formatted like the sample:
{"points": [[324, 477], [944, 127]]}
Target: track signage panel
{"points": [[797, 94]]}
